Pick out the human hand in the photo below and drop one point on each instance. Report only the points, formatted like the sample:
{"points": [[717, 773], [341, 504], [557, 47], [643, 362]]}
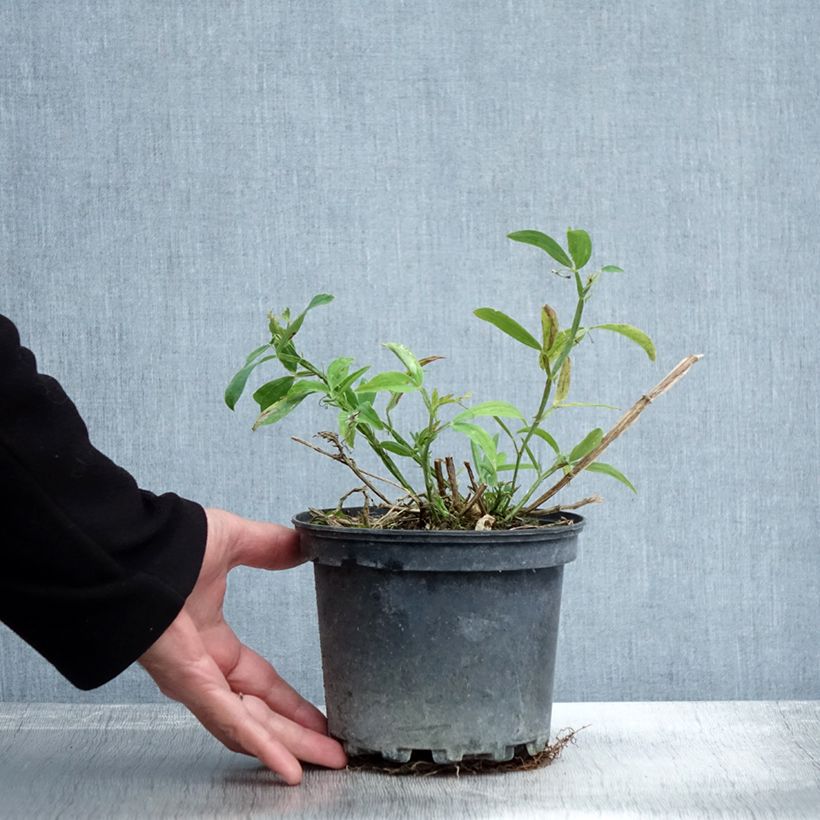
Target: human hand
{"points": [[235, 693]]}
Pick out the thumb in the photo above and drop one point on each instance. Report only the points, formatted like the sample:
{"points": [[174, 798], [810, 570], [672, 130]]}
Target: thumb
{"points": [[258, 544]]}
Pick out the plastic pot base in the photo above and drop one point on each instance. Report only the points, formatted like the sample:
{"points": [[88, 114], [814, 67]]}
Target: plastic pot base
{"points": [[439, 642], [498, 754]]}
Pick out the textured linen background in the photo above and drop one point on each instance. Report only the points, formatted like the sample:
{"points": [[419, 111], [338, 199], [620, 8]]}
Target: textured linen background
{"points": [[170, 171]]}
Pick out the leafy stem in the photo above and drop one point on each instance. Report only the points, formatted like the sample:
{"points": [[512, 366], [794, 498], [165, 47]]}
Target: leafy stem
{"points": [[576, 323], [538, 418], [491, 499], [385, 459]]}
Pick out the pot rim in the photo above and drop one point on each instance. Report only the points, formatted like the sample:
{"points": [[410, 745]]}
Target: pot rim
{"points": [[302, 522]]}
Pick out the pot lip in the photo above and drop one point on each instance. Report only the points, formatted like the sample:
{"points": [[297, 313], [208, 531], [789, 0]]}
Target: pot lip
{"points": [[302, 522]]}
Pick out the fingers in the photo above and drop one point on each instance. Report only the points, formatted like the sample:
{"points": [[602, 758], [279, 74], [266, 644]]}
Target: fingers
{"points": [[185, 671], [227, 713], [257, 543], [253, 675], [305, 744], [209, 697]]}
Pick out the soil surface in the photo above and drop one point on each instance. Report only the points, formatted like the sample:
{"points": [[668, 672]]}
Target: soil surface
{"points": [[403, 518]]}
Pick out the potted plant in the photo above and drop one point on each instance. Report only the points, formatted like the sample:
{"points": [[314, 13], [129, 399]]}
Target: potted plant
{"points": [[438, 596]]}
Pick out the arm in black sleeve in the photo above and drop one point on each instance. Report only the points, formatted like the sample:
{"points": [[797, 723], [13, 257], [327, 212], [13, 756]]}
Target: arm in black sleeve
{"points": [[93, 569]]}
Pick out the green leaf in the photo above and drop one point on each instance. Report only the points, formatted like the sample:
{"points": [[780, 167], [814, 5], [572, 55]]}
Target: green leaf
{"points": [[257, 352], [503, 409], [297, 394], [638, 336], [562, 389], [366, 412], [391, 381], [273, 325], [587, 445], [287, 355], [612, 269], [580, 247], [585, 404], [347, 427], [608, 469], [337, 371], [508, 325], [591, 280], [544, 435], [398, 449], [486, 471], [546, 243], [316, 301], [369, 416], [408, 360], [392, 403], [342, 386], [480, 436], [549, 327], [319, 299], [561, 340], [270, 392], [237, 384], [305, 387]]}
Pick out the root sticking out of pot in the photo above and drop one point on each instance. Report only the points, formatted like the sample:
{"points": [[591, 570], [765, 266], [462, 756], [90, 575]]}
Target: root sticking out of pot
{"points": [[421, 763]]}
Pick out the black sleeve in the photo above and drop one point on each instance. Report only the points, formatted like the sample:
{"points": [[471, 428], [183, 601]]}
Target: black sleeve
{"points": [[93, 569]]}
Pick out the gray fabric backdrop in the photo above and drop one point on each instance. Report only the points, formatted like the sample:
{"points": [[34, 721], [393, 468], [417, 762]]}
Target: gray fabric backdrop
{"points": [[172, 170]]}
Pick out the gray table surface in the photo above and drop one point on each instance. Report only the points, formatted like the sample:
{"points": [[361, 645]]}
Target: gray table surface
{"points": [[708, 759]]}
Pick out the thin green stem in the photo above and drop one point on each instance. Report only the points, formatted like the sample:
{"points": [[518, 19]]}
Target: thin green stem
{"points": [[536, 421], [424, 453], [507, 430], [397, 437], [551, 371], [576, 323], [437, 508], [388, 462], [313, 370], [427, 473], [524, 446], [542, 477], [369, 435]]}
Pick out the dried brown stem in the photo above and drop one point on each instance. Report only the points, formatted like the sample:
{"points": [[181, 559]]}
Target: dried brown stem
{"points": [[396, 511], [481, 506], [345, 459], [590, 499], [341, 501], [470, 476], [440, 480], [453, 481], [623, 423], [474, 499]]}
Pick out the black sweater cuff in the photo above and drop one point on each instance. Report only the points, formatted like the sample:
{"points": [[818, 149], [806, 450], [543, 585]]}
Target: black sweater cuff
{"points": [[93, 569]]}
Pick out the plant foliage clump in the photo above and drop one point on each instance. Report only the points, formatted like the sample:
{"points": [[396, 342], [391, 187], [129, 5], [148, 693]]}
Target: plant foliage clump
{"points": [[491, 490]]}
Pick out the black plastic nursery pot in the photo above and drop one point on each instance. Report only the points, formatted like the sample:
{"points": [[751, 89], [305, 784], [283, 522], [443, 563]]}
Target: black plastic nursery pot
{"points": [[442, 641]]}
